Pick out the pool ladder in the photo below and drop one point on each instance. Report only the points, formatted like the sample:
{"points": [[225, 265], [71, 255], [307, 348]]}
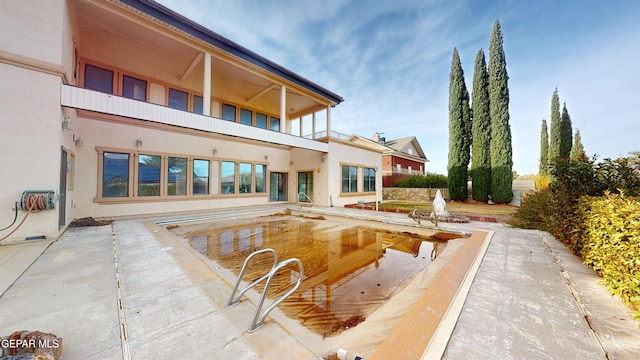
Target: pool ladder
{"points": [[258, 320]]}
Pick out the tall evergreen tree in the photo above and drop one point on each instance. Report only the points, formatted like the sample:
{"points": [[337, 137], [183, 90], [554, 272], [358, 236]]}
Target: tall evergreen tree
{"points": [[544, 149], [555, 136], [501, 151], [566, 133], [577, 149], [481, 131], [459, 131]]}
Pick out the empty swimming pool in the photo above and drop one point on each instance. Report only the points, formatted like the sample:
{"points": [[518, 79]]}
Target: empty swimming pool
{"points": [[351, 267]]}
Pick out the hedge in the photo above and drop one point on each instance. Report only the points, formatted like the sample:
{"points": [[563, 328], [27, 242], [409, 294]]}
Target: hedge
{"points": [[610, 242]]}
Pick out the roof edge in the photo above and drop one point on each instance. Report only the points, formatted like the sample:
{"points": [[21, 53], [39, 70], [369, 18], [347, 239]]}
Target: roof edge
{"points": [[189, 26]]}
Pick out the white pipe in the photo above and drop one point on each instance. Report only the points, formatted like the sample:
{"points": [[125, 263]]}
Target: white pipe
{"points": [[345, 355]]}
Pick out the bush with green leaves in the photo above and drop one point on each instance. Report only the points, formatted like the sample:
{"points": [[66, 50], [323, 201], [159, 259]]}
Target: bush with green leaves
{"points": [[593, 207], [429, 181], [610, 243]]}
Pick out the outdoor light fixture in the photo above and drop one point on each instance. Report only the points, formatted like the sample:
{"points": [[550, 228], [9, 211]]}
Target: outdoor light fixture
{"points": [[266, 157], [138, 143], [324, 158], [67, 124], [215, 151], [79, 141]]}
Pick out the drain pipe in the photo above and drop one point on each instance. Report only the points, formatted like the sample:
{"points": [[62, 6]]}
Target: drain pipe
{"points": [[345, 355]]}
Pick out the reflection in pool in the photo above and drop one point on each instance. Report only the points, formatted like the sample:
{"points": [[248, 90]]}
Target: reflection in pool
{"points": [[349, 270]]}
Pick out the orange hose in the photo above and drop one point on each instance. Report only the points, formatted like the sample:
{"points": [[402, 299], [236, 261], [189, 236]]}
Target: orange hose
{"points": [[33, 203]]}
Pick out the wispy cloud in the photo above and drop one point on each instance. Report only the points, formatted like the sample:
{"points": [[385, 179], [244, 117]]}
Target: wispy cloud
{"points": [[391, 62]]}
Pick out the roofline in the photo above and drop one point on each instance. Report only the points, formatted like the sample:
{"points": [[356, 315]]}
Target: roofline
{"points": [[172, 18]]}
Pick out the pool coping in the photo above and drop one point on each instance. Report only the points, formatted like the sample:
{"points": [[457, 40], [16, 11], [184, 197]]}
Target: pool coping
{"points": [[436, 312]]}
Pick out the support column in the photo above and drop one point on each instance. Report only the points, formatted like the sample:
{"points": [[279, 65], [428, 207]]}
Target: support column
{"points": [[206, 87], [313, 125], [283, 108], [328, 121]]}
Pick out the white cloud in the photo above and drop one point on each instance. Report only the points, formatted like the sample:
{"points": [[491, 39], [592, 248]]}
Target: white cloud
{"points": [[391, 62]]}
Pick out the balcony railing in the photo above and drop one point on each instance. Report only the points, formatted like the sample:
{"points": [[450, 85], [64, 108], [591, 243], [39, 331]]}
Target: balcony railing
{"points": [[85, 99], [405, 172]]}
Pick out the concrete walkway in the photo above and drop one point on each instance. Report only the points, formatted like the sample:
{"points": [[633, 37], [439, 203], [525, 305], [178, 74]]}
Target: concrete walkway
{"points": [[125, 291]]}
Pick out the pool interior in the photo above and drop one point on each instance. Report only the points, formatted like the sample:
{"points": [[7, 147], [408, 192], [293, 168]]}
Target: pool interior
{"points": [[351, 267]]}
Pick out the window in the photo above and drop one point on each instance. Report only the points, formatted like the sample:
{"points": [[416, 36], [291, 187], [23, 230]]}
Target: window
{"points": [[133, 88], [177, 176], [115, 175], [245, 178], [197, 104], [228, 177], [369, 179], [261, 179], [275, 124], [98, 79], [246, 117], [228, 112], [200, 177], [278, 187], [178, 99], [261, 120], [148, 175], [349, 178]]}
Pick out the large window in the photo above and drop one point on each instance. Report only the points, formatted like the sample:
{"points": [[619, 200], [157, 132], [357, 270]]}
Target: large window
{"points": [[228, 177], [349, 179], [178, 99], [228, 112], [149, 175], [127, 174], [200, 176], [98, 79], [115, 175], [133, 88], [369, 179], [177, 176], [261, 178], [245, 177]]}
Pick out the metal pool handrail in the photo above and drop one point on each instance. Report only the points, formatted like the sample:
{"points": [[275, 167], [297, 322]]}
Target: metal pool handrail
{"points": [[233, 300], [258, 321], [256, 324]]}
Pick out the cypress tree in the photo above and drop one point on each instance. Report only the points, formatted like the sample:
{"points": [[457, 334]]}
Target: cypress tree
{"points": [[501, 152], [577, 150], [459, 131], [554, 143], [481, 131], [544, 149], [566, 133]]}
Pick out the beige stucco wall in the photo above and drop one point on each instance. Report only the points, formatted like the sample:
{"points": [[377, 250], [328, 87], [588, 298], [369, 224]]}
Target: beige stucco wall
{"points": [[34, 29], [98, 133], [340, 152], [31, 139]]}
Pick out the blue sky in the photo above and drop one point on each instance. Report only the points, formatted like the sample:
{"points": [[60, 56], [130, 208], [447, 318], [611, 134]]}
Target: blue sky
{"points": [[390, 61]]}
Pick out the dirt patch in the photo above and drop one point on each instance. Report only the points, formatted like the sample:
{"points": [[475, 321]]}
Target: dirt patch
{"points": [[89, 221], [341, 326]]}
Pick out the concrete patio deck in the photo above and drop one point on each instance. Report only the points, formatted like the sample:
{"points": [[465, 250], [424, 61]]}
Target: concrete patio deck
{"points": [[126, 291]]}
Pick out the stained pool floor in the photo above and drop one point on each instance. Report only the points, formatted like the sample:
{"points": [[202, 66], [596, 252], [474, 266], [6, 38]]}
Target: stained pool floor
{"points": [[350, 269]]}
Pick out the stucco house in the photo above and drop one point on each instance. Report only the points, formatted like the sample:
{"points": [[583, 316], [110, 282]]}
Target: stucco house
{"points": [[125, 107]]}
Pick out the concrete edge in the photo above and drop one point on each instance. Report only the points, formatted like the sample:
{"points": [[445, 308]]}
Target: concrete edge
{"points": [[440, 340]]}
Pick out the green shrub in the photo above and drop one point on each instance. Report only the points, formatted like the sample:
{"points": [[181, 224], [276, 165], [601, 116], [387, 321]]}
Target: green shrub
{"points": [[429, 181], [534, 211], [611, 243]]}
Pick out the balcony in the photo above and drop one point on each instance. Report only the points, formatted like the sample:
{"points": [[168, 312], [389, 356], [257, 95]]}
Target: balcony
{"points": [[85, 99]]}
